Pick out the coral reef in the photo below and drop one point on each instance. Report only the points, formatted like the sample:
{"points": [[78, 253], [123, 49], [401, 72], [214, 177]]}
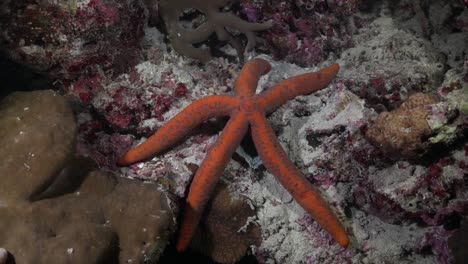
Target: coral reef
{"points": [[183, 37], [305, 32], [144, 98], [87, 217], [326, 141], [67, 39], [246, 110], [289, 234], [443, 22], [448, 118], [405, 210], [403, 131]]}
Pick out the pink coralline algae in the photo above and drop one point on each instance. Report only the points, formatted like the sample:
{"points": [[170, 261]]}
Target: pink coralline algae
{"points": [[305, 31], [67, 41], [127, 102], [375, 203], [436, 241], [102, 148], [98, 12], [313, 231], [307, 225], [138, 102], [320, 239], [86, 88], [404, 193]]}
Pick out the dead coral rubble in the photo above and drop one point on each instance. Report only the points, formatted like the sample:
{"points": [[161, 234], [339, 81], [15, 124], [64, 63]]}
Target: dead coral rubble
{"points": [[403, 130], [182, 38]]}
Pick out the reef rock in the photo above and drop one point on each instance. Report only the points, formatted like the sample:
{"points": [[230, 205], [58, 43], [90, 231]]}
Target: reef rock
{"points": [[304, 32], [65, 39], [388, 64]]}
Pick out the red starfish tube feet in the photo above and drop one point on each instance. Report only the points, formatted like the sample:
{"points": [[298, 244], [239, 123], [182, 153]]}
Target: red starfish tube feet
{"points": [[245, 108]]}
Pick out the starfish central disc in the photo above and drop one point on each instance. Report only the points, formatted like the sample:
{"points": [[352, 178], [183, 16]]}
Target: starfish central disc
{"points": [[249, 105]]}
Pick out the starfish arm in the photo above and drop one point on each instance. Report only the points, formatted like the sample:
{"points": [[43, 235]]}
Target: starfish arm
{"points": [[246, 83], [276, 161], [299, 85], [208, 175], [180, 126]]}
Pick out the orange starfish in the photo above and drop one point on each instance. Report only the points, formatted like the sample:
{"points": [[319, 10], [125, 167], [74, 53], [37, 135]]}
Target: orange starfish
{"points": [[244, 109]]}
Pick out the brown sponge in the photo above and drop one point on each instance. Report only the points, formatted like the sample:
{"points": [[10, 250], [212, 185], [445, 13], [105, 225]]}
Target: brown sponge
{"points": [[402, 131], [216, 22], [225, 233]]}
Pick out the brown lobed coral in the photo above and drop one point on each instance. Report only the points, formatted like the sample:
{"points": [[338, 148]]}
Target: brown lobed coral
{"points": [[403, 131], [3, 256], [183, 38], [53, 210]]}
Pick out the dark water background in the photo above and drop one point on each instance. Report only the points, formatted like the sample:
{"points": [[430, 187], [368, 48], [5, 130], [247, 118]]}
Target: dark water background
{"points": [[17, 77]]}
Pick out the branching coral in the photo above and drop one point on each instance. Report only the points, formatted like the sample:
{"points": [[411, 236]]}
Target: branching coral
{"points": [[403, 130], [182, 38]]}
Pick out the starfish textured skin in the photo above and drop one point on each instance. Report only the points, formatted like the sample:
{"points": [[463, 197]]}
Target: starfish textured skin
{"points": [[245, 109]]}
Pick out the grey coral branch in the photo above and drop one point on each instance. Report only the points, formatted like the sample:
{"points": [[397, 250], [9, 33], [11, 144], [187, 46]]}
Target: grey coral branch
{"points": [[244, 27], [182, 39]]}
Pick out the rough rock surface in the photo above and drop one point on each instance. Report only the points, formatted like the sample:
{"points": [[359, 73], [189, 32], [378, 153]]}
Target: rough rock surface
{"points": [[65, 39], [88, 217], [304, 32], [443, 22], [323, 134], [388, 64]]}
